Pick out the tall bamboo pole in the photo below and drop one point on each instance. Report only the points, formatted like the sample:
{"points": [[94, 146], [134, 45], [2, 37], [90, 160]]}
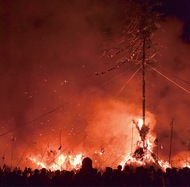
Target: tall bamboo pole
{"points": [[143, 82]]}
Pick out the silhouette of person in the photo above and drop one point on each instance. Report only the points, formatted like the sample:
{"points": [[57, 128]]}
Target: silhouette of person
{"points": [[87, 176], [57, 179], [45, 180], [34, 180]]}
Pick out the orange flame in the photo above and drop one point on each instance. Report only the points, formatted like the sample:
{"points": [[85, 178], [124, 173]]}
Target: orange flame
{"points": [[144, 156], [62, 162]]}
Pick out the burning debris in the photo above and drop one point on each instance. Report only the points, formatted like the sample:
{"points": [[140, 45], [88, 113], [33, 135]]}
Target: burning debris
{"points": [[143, 154], [142, 145]]}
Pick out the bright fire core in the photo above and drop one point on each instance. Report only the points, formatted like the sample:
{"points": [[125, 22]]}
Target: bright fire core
{"points": [[141, 153]]}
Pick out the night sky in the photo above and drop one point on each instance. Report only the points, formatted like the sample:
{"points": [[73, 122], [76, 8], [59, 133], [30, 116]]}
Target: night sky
{"points": [[51, 94]]}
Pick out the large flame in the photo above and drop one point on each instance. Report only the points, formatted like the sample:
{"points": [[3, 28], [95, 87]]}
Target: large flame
{"points": [[142, 155], [60, 162]]}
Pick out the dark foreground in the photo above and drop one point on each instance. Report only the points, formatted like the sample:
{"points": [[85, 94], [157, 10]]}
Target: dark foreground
{"points": [[88, 176]]}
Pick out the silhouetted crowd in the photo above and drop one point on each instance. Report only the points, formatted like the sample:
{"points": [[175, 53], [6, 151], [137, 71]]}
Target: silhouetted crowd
{"points": [[89, 176]]}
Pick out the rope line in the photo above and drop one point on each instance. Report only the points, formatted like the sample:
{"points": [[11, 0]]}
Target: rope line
{"points": [[170, 80], [117, 76], [128, 81]]}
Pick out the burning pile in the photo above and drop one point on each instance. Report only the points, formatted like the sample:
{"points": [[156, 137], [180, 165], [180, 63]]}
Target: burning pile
{"points": [[143, 154]]}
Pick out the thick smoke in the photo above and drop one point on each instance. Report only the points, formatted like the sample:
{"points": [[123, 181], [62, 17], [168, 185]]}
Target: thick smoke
{"points": [[171, 101], [50, 52]]}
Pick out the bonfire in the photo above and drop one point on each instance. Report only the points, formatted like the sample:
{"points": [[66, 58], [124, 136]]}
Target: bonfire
{"points": [[143, 154]]}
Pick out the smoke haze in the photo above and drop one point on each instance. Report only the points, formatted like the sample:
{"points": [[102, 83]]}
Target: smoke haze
{"points": [[50, 52]]}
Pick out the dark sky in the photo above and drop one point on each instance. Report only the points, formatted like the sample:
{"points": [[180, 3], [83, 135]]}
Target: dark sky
{"points": [[181, 9], [50, 51]]}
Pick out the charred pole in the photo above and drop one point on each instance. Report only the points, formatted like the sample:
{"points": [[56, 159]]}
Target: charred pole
{"points": [[143, 83], [144, 35], [147, 26]]}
